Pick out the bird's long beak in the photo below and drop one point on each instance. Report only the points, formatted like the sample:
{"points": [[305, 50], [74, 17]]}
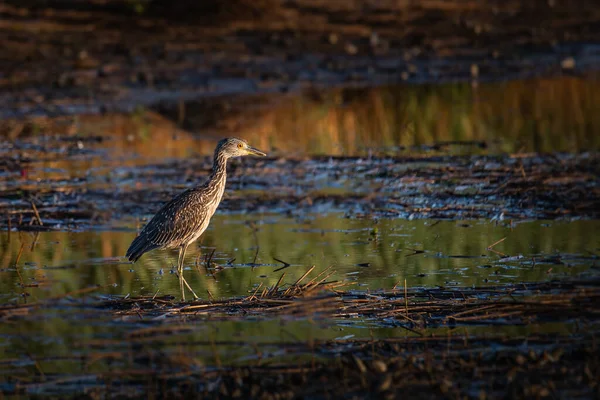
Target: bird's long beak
{"points": [[256, 152]]}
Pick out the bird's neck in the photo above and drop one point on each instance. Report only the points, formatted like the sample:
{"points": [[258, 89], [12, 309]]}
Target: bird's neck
{"points": [[219, 170]]}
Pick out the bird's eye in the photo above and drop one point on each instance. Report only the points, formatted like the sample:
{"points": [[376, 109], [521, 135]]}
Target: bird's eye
{"points": [[240, 145]]}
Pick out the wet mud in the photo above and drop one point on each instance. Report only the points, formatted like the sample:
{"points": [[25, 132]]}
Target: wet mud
{"points": [[505, 187]]}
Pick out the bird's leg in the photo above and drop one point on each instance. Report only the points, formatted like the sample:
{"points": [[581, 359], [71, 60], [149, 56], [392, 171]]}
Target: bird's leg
{"points": [[180, 273], [181, 286], [182, 250]]}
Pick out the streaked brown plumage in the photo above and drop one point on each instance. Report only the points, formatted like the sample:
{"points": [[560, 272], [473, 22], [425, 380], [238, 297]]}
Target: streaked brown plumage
{"points": [[183, 220]]}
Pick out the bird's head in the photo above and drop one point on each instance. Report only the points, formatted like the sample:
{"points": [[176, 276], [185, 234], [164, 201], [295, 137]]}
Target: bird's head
{"points": [[233, 147]]}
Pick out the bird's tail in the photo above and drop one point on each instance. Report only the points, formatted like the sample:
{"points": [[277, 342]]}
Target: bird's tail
{"points": [[138, 247]]}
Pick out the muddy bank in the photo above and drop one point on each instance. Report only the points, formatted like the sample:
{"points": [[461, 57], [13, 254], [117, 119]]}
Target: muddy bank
{"points": [[501, 188], [64, 57]]}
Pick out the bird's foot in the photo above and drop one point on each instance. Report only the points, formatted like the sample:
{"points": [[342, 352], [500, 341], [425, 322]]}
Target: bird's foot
{"points": [[188, 286]]}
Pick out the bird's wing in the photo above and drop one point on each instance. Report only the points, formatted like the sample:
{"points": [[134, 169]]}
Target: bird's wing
{"points": [[177, 220]]}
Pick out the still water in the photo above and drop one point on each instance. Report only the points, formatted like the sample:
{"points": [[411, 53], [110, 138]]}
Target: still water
{"points": [[367, 254], [539, 115], [70, 334]]}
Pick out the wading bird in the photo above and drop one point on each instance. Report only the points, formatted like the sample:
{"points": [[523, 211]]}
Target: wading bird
{"points": [[183, 219]]}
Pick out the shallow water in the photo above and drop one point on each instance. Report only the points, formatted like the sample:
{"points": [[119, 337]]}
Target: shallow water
{"points": [[146, 158], [62, 345], [366, 254], [60, 336]]}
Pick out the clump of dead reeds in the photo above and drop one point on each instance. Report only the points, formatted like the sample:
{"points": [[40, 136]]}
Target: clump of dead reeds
{"points": [[298, 288]]}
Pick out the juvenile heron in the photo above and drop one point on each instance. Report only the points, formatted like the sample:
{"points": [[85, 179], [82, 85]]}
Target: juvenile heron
{"points": [[183, 219]]}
